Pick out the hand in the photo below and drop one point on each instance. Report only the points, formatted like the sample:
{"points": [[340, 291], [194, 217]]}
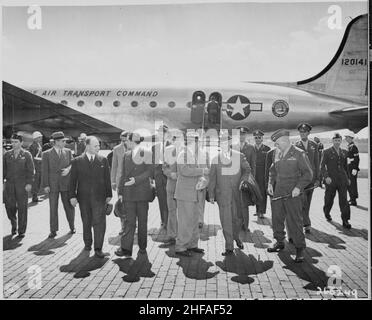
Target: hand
{"points": [[47, 189], [65, 171], [108, 199], [354, 172], [348, 182], [295, 192], [316, 183], [328, 180], [73, 202], [211, 200], [173, 175], [28, 187], [120, 198], [270, 190], [113, 186], [205, 171], [130, 182]]}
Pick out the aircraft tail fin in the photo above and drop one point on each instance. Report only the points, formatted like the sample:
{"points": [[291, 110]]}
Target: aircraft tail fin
{"points": [[347, 73]]}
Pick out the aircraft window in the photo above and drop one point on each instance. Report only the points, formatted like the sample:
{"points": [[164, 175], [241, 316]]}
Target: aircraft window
{"points": [[188, 104], [171, 104], [64, 102], [134, 104], [116, 103], [80, 103], [153, 104], [98, 103], [280, 108]]}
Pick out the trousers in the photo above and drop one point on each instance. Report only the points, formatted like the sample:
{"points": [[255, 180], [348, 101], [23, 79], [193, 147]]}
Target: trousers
{"points": [[53, 210], [15, 198], [188, 230]]}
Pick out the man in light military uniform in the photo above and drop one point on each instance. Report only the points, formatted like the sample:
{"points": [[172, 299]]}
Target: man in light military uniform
{"points": [[260, 151], [353, 167], [311, 150], [18, 174], [336, 177], [248, 150], [36, 151], [290, 173]]}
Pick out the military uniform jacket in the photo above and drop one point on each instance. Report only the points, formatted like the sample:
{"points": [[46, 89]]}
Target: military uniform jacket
{"points": [[225, 187], [138, 165], [312, 154], [250, 155], [36, 152], [260, 155], [293, 170], [51, 169], [353, 157], [334, 165], [90, 179], [20, 169]]}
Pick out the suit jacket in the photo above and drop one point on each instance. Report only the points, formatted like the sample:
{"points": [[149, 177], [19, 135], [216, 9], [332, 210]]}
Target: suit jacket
{"points": [[117, 163], [334, 165], [313, 156], [90, 179], [225, 187], [270, 159], [138, 166], [51, 168], [189, 173]]}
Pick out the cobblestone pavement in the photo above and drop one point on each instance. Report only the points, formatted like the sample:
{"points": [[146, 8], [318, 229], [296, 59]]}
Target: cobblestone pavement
{"points": [[37, 267]]}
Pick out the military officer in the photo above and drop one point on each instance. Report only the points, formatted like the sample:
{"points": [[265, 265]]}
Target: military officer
{"points": [[18, 174], [311, 150], [260, 151], [336, 177], [291, 173], [353, 167], [248, 151]]}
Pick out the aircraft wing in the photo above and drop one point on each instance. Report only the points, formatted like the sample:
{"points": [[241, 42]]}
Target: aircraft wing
{"points": [[25, 111], [357, 116]]}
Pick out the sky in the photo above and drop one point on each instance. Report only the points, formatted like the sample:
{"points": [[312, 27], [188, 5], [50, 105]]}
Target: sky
{"points": [[163, 44]]}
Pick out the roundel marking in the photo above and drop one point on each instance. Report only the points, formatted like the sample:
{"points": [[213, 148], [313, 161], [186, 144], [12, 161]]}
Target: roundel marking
{"points": [[238, 107], [280, 108]]}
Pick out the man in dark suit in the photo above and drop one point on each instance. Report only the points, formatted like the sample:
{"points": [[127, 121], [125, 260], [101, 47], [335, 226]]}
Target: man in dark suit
{"points": [[336, 177], [353, 167], [312, 153], [260, 151], [36, 150], [136, 193], [248, 150], [90, 185], [55, 177]]}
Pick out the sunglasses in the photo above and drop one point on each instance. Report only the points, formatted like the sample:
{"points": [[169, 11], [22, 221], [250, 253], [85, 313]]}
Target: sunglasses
{"points": [[258, 137]]}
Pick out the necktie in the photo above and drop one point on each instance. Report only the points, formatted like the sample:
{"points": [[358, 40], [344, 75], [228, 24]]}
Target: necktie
{"points": [[91, 159]]}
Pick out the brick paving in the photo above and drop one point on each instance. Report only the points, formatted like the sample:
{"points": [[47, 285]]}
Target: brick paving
{"points": [[68, 272]]}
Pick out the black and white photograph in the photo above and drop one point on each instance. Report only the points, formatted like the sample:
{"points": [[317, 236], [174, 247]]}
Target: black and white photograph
{"points": [[185, 150]]}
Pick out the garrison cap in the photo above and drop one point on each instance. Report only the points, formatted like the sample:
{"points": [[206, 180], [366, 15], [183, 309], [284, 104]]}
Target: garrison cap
{"points": [[243, 130], [304, 127], [16, 136], [336, 136], [124, 133], [258, 133], [350, 134], [36, 134], [279, 133]]}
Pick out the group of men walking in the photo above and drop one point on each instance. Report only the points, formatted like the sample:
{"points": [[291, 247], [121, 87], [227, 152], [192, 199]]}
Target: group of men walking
{"points": [[185, 175]]}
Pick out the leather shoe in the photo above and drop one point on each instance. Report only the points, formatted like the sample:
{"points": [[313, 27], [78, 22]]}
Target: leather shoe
{"points": [[185, 253], [87, 248], [307, 230], [227, 253], [278, 246], [14, 232], [239, 244], [123, 253], [99, 254], [53, 234], [353, 203], [35, 200], [73, 231], [346, 225], [21, 235], [142, 251], [328, 217], [299, 255], [197, 250]]}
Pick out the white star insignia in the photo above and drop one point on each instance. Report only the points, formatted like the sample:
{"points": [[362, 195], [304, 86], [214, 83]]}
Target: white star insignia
{"points": [[238, 107]]}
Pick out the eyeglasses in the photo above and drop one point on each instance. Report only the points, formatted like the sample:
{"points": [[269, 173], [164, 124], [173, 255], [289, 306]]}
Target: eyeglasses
{"points": [[258, 137]]}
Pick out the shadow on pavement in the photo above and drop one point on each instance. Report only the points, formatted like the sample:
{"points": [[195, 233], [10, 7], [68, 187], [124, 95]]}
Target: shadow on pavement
{"points": [[194, 267], [323, 237], [82, 264], [263, 222], [45, 247], [305, 270], [209, 230], [362, 233], [362, 207], [135, 269], [243, 266], [11, 243], [257, 237]]}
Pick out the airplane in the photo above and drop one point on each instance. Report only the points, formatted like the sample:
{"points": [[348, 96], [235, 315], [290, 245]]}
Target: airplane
{"points": [[335, 98]]}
